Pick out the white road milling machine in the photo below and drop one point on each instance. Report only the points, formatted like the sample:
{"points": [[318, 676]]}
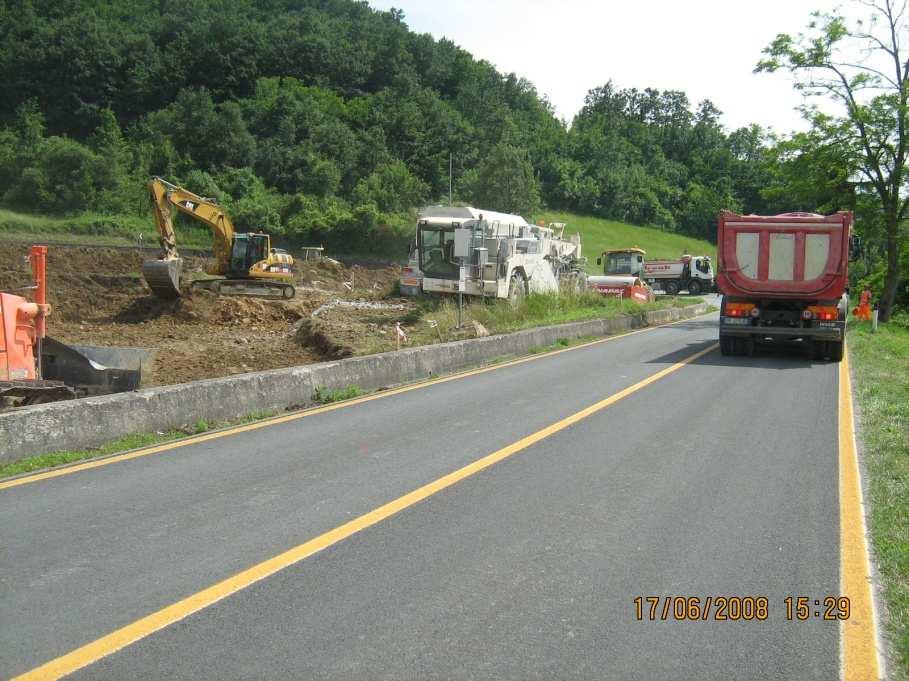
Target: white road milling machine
{"points": [[493, 255]]}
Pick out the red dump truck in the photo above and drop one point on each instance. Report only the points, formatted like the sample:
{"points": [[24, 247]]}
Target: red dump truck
{"points": [[783, 278]]}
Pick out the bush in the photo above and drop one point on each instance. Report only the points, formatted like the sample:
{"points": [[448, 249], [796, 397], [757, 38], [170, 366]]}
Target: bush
{"points": [[391, 187]]}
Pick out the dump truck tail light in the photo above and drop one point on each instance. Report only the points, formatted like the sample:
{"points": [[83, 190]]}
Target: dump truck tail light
{"points": [[824, 312], [740, 309]]}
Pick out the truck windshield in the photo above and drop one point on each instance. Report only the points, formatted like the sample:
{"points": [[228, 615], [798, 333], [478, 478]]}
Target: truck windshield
{"points": [[436, 249], [621, 263]]}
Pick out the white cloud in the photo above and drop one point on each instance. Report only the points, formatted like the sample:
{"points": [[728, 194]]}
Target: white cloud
{"points": [[708, 48]]}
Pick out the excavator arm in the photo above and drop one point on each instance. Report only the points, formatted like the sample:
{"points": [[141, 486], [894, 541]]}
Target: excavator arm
{"points": [[163, 222], [206, 211]]}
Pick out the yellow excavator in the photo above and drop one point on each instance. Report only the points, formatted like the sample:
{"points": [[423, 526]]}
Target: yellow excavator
{"points": [[246, 264]]}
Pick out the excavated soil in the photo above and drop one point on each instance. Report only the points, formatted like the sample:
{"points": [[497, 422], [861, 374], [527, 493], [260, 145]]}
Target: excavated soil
{"points": [[99, 298]]}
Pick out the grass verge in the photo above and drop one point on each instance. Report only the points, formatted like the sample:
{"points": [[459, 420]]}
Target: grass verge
{"points": [[880, 369], [436, 320], [35, 463], [326, 396]]}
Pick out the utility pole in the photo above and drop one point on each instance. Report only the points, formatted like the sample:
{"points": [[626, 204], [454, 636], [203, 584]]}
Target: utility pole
{"points": [[449, 179]]}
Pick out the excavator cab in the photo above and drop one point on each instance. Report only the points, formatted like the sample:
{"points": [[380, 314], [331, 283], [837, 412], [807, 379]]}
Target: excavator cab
{"points": [[246, 251]]}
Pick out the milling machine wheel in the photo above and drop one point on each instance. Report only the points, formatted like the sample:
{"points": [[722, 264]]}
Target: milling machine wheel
{"points": [[517, 288]]}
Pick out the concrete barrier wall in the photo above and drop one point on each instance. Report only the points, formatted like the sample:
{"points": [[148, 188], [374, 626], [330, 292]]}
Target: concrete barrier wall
{"points": [[93, 421]]}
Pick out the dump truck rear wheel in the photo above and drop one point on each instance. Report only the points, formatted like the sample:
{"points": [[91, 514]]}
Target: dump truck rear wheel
{"points": [[671, 288], [727, 346], [818, 349], [748, 346], [835, 351]]}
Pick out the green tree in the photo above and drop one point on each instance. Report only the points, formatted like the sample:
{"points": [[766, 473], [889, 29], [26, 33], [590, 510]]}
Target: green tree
{"points": [[863, 69], [505, 182]]}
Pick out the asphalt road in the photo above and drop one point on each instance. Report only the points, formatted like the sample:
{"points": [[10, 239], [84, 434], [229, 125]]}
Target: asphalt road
{"points": [[719, 479]]}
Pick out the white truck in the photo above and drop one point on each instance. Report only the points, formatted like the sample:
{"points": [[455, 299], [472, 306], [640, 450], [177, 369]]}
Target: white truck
{"points": [[692, 273], [483, 253]]}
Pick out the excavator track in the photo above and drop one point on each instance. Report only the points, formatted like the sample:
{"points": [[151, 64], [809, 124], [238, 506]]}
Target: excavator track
{"points": [[163, 276], [254, 288]]}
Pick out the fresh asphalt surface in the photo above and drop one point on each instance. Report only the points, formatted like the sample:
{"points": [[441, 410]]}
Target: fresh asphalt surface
{"points": [[718, 479]]}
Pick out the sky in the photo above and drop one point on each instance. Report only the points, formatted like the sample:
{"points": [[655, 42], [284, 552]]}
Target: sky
{"points": [[708, 48]]}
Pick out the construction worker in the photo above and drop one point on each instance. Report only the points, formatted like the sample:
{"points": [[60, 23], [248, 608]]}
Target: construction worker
{"points": [[863, 311]]}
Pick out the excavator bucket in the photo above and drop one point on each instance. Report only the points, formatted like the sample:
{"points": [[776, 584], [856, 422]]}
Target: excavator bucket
{"points": [[93, 370], [163, 276]]}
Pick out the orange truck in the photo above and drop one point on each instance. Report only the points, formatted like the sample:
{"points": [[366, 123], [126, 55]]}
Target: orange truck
{"points": [[783, 278], [36, 368]]}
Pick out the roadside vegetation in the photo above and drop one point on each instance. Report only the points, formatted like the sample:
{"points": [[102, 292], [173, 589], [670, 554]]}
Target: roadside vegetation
{"points": [[52, 459], [435, 320], [880, 370], [323, 395]]}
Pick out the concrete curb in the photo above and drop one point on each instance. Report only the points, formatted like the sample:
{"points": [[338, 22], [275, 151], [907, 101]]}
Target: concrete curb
{"points": [[93, 421]]}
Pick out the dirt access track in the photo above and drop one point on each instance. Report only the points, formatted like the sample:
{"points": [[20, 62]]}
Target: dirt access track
{"points": [[99, 298]]}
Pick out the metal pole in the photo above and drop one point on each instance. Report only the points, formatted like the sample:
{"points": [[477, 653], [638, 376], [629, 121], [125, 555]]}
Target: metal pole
{"points": [[449, 178], [460, 306], [38, 258]]}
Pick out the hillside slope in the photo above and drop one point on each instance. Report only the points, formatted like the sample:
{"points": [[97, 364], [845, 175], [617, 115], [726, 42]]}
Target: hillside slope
{"points": [[598, 235]]}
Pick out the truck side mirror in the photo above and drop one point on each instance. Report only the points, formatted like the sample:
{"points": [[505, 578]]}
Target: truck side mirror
{"points": [[599, 261], [856, 248]]}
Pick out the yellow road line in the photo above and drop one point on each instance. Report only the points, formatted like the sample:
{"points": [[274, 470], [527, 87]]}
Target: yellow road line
{"points": [[858, 639], [155, 449], [114, 641]]}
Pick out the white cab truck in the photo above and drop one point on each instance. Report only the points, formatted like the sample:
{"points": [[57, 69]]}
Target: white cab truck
{"points": [[692, 273], [483, 253]]}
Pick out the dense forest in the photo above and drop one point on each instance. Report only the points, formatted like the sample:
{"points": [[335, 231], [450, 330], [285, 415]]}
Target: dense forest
{"points": [[326, 120], [309, 117]]}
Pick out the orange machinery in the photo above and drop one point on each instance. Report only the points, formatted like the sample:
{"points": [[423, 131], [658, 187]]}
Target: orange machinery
{"points": [[23, 326]]}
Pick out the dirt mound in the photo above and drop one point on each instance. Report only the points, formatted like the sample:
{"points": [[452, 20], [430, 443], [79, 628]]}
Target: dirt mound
{"points": [[207, 308], [312, 333]]}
